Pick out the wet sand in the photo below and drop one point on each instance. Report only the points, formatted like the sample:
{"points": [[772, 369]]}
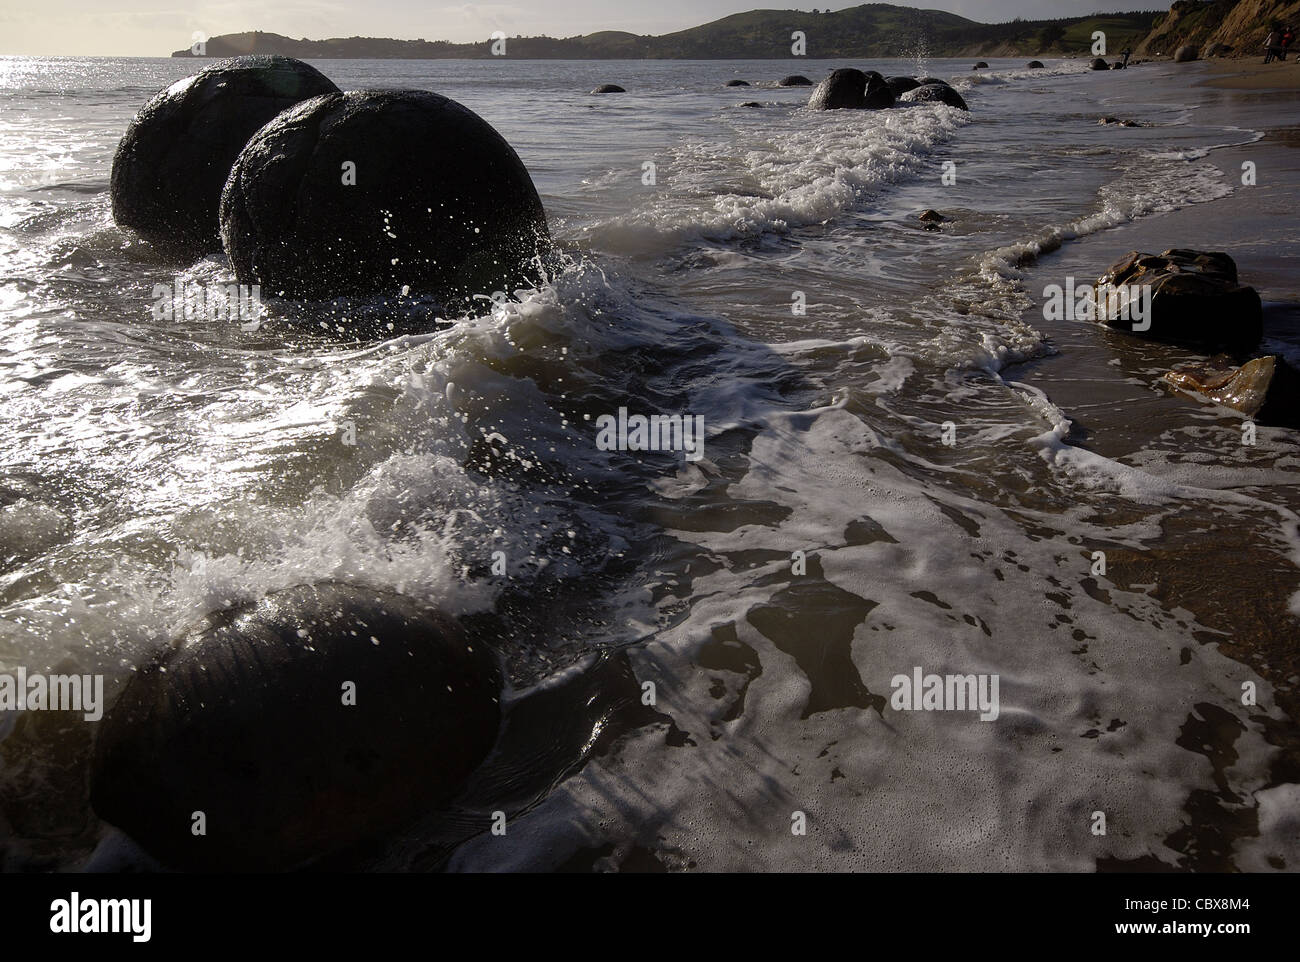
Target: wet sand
{"points": [[1251, 73], [1235, 578]]}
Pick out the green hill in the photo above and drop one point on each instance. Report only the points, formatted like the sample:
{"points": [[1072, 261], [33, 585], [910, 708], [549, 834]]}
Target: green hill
{"points": [[870, 30]]}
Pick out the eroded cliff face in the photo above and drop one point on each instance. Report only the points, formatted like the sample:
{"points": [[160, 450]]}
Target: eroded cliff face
{"points": [[1240, 24]]}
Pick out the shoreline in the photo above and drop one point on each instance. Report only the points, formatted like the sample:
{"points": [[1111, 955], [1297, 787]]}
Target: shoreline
{"points": [[1106, 385]]}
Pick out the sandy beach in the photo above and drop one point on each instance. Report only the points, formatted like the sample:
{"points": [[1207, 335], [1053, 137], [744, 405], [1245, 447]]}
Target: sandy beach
{"points": [[1251, 73]]}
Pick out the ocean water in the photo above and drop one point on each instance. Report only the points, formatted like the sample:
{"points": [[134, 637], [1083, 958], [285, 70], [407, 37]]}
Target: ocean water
{"points": [[826, 541]]}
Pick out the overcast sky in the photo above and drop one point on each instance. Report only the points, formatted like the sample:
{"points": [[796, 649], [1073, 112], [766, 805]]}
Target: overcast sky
{"points": [[157, 27]]}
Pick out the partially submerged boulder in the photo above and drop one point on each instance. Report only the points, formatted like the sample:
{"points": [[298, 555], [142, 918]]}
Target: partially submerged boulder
{"points": [[843, 89], [1186, 53], [879, 96], [382, 193], [1266, 389], [321, 717], [737, 83], [1034, 65], [172, 163], [609, 89], [936, 93], [980, 66], [1098, 63], [1194, 299], [901, 85], [794, 80]]}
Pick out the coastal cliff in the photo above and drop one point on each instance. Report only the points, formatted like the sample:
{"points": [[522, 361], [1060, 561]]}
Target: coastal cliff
{"points": [[1240, 25]]}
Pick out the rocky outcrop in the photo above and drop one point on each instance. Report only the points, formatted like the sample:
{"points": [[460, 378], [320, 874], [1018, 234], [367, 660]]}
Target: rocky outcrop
{"points": [[1193, 298]]}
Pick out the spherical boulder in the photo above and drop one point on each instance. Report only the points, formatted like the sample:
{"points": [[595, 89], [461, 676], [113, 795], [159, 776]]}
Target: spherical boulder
{"points": [[936, 93], [1098, 64], [1186, 53], [980, 66], [322, 717], [383, 192], [794, 80], [737, 83], [901, 85], [609, 89], [842, 89], [923, 81], [1034, 65], [174, 158], [878, 96]]}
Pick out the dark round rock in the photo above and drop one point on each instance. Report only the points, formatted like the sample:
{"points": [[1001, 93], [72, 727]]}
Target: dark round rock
{"points": [[1098, 64], [609, 89], [1035, 65], [936, 93], [173, 160], [878, 97], [901, 85], [737, 83], [794, 80], [441, 207], [246, 721], [842, 89], [925, 81], [980, 66]]}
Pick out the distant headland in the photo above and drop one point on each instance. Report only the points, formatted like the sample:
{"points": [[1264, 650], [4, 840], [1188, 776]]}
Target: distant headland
{"points": [[870, 30]]}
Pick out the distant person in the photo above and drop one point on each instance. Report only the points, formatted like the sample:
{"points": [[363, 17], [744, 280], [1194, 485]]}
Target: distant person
{"points": [[1288, 35], [1273, 47], [1127, 53]]}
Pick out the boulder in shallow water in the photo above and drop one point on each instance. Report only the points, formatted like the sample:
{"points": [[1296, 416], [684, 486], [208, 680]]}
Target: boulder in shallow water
{"points": [[980, 66], [1266, 389], [1117, 65], [794, 80], [843, 89], [172, 163], [380, 193], [609, 89], [1034, 65], [1098, 64], [925, 81], [1186, 53], [878, 97], [1195, 299], [901, 85], [248, 721], [737, 83], [936, 93]]}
